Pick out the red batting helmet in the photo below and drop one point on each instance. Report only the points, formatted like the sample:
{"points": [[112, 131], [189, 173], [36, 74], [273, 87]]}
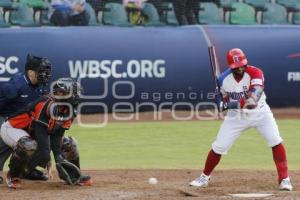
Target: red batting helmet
{"points": [[236, 58]]}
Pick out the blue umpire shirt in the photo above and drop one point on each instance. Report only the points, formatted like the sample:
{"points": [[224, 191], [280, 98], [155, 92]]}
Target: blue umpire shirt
{"points": [[17, 93]]}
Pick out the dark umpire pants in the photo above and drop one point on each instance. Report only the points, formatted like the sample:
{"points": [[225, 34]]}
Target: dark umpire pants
{"points": [[5, 150]]}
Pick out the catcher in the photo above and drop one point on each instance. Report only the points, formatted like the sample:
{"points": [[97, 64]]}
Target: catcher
{"points": [[39, 127]]}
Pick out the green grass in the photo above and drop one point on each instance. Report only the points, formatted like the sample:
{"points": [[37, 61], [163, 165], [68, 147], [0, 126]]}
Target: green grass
{"points": [[177, 145]]}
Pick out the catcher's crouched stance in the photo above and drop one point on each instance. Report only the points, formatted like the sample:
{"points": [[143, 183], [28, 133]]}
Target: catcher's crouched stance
{"points": [[39, 127]]}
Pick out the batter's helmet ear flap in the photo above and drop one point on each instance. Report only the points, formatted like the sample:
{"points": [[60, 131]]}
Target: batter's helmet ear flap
{"points": [[236, 58]]}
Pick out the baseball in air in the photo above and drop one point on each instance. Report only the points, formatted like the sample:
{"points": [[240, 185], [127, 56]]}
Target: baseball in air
{"points": [[152, 181]]}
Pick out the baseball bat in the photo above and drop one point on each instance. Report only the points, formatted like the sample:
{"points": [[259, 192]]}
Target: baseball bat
{"points": [[214, 65], [215, 68]]}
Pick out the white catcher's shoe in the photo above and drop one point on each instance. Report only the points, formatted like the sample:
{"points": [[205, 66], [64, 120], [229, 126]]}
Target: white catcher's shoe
{"points": [[201, 181], [286, 184]]}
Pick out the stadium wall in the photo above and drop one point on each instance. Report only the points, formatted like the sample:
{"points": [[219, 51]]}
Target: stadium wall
{"points": [[145, 68]]}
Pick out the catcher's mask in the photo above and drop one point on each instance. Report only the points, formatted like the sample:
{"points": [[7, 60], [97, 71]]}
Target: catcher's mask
{"points": [[42, 66], [66, 90]]}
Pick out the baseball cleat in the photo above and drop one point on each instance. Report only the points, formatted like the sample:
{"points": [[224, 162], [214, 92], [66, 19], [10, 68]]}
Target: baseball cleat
{"points": [[286, 184], [201, 181], [13, 183], [85, 180]]}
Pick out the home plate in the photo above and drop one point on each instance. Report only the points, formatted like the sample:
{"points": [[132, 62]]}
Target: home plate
{"points": [[250, 195]]}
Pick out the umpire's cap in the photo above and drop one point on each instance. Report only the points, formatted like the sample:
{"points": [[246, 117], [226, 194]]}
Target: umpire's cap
{"points": [[36, 63], [41, 65]]}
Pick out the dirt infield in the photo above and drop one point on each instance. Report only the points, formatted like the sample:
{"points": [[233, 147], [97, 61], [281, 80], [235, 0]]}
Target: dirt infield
{"points": [[172, 184]]}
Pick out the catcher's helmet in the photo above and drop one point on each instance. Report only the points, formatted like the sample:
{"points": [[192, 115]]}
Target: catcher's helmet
{"points": [[40, 65], [66, 90], [236, 58]]}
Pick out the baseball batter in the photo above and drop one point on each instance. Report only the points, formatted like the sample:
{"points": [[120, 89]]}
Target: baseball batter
{"points": [[242, 94]]}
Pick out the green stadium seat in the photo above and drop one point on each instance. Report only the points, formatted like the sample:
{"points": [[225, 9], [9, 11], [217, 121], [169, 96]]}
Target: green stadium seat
{"points": [[22, 16], [44, 16], [6, 3], [296, 15], [242, 14], [227, 7], [227, 4], [3, 24], [37, 5], [93, 17], [33, 3], [209, 14], [257, 4], [7, 6], [115, 14], [152, 15], [274, 14], [290, 5]]}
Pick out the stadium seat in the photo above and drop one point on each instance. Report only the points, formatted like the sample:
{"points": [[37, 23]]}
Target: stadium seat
{"points": [[6, 3], [115, 14], [168, 15], [257, 4], [209, 14], [38, 6], [22, 16], [290, 5], [274, 14], [44, 16], [227, 4], [152, 15], [33, 3], [93, 17], [296, 15], [7, 6], [242, 14], [227, 7], [3, 24]]}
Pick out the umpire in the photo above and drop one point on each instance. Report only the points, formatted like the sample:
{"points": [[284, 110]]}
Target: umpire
{"points": [[20, 90]]}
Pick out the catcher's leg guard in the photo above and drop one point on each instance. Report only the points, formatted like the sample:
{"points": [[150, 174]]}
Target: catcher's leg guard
{"points": [[71, 153], [23, 151], [40, 158], [70, 150]]}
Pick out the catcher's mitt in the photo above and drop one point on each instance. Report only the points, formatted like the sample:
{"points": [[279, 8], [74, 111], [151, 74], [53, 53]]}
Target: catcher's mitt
{"points": [[68, 172]]}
